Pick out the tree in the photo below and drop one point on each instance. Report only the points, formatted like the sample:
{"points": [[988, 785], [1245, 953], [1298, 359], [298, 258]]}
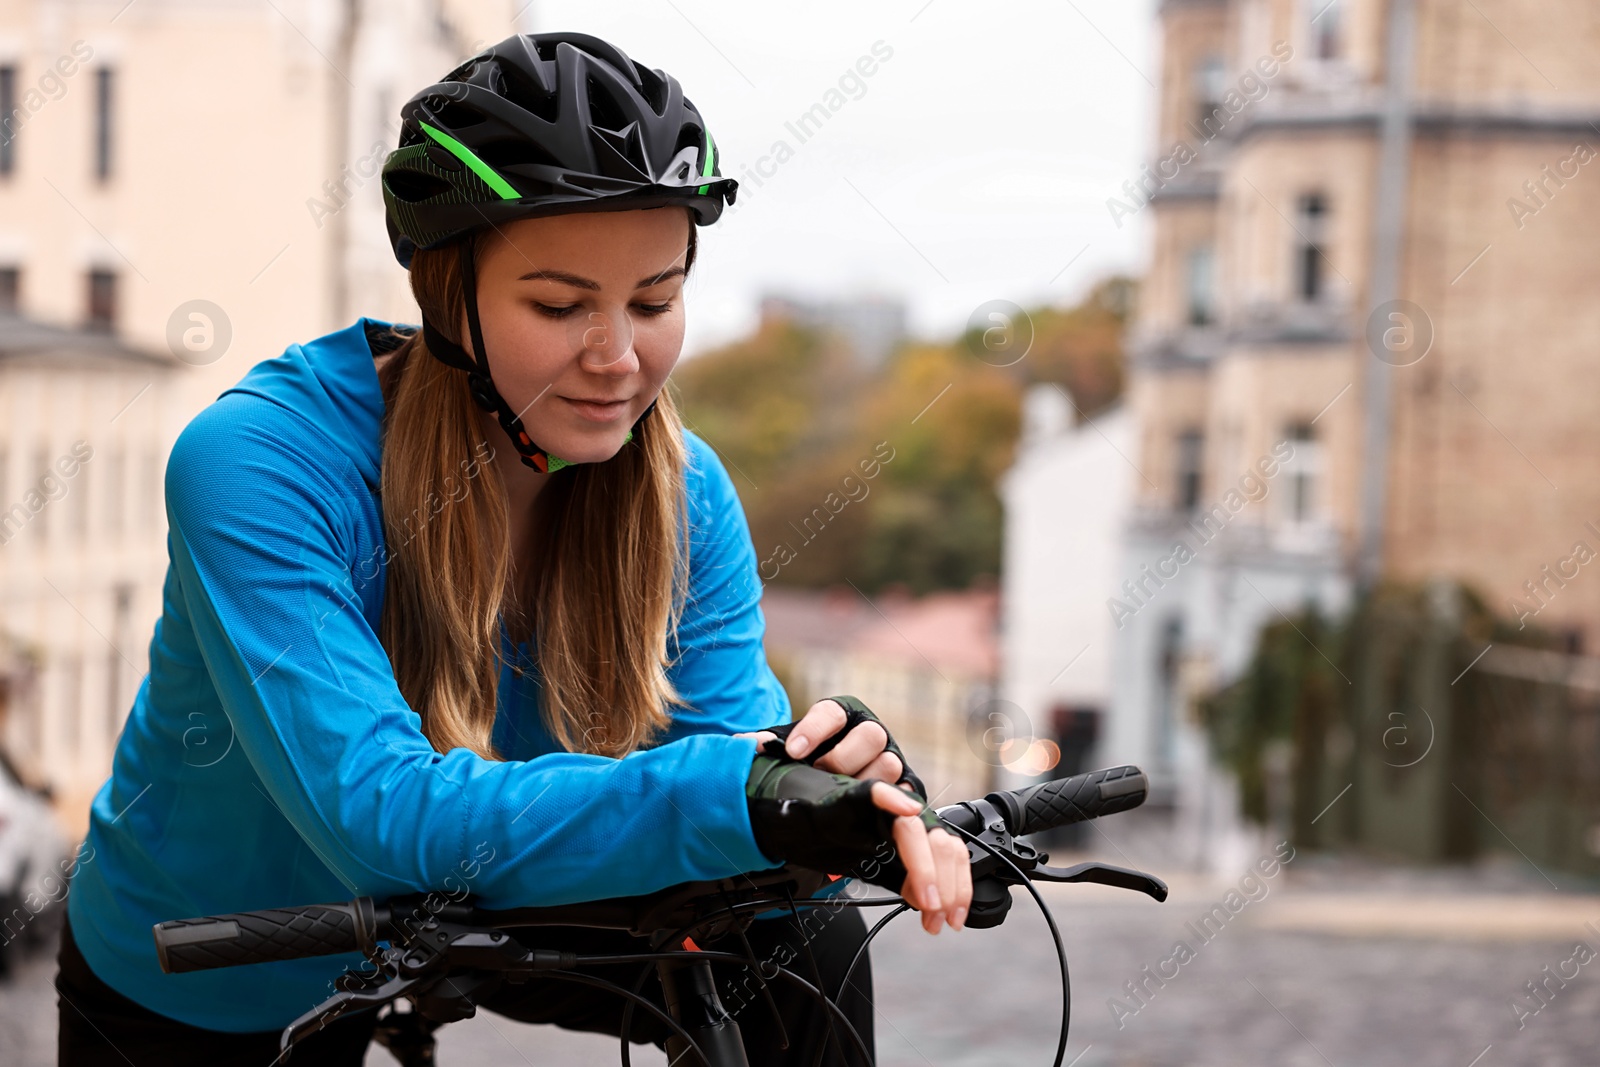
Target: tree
{"points": [[799, 425]]}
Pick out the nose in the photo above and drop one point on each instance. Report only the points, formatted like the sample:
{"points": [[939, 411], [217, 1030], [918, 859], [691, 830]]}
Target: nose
{"points": [[605, 344]]}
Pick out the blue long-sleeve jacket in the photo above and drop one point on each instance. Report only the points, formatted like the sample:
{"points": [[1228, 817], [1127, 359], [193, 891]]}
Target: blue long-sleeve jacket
{"points": [[270, 760]]}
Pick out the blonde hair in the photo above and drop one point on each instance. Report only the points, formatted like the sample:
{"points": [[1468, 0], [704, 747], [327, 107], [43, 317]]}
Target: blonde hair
{"points": [[600, 583]]}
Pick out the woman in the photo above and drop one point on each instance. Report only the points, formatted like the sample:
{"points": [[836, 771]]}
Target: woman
{"points": [[436, 620]]}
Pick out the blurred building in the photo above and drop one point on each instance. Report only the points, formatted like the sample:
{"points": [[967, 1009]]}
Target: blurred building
{"points": [[870, 327], [1365, 345], [1066, 500], [163, 152], [88, 422], [191, 180], [927, 667]]}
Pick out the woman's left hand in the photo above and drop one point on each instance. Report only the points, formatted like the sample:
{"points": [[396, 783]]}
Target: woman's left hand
{"points": [[862, 753]]}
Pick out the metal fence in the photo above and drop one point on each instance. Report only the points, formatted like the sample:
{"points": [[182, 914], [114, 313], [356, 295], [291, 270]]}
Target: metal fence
{"points": [[1420, 728]]}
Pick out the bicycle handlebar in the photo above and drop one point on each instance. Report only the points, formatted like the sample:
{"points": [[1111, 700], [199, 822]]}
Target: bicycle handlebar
{"points": [[264, 936], [1070, 800], [184, 945]]}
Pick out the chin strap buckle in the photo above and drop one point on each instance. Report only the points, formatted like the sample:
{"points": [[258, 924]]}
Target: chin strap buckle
{"points": [[483, 391]]}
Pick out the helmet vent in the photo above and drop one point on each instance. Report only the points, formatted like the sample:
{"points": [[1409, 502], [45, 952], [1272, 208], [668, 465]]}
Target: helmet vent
{"points": [[603, 110], [451, 115], [413, 187], [653, 89], [689, 136], [521, 90]]}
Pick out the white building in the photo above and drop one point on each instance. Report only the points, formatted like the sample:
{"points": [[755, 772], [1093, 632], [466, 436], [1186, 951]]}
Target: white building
{"points": [[1110, 632], [1066, 500]]}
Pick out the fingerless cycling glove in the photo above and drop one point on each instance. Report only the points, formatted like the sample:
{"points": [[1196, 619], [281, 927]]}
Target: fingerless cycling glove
{"points": [[855, 713], [825, 822]]}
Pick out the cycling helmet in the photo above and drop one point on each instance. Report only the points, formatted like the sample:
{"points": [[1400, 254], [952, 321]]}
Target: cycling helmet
{"points": [[540, 124]]}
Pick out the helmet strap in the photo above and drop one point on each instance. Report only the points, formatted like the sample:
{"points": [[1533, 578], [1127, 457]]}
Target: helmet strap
{"points": [[481, 381]]}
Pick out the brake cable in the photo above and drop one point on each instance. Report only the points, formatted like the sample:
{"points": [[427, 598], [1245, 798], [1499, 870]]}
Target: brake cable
{"points": [[1061, 951], [761, 982], [632, 998], [751, 905], [816, 972], [626, 1027], [732, 957], [870, 935]]}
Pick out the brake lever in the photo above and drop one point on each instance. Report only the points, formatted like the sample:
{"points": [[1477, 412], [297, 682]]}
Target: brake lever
{"points": [[342, 1003], [1103, 874], [992, 875]]}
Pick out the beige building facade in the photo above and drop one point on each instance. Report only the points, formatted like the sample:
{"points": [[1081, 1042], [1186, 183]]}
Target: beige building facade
{"points": [[186, 188], [1299, 431], [88, 424]]}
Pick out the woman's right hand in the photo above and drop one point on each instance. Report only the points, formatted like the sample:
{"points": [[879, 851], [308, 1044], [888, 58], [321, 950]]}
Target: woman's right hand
{"points": [[938, 868], [838, 825]]}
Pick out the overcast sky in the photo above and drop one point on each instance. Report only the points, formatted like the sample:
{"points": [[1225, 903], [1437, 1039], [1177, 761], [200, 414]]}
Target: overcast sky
{"points": [[974, 164]]}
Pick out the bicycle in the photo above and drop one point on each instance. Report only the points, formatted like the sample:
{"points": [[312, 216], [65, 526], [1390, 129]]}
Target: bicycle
{"points": [[438, 954]]}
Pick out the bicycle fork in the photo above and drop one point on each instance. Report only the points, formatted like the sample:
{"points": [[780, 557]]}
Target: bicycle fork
{"points": [[691, 994]]}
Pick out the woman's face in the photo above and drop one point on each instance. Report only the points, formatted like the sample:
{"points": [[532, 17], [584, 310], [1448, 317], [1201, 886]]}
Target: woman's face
{"points": [[582, 316]]}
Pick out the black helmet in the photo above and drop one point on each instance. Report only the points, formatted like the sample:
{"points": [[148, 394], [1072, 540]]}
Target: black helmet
{"points": [[540, 124]]}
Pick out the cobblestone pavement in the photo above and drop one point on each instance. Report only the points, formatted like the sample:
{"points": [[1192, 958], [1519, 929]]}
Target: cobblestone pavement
{"points": [[1330, 967]]}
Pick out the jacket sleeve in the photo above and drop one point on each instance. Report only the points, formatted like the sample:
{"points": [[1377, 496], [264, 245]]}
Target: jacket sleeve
{"points": [[263, 522], [721, 669]]}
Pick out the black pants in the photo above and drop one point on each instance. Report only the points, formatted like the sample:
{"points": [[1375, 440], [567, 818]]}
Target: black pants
{"points": [[99, 1027]]}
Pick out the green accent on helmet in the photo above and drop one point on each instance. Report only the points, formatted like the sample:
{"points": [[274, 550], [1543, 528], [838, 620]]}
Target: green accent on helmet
{"points": [[470, 158], [710, 164]]}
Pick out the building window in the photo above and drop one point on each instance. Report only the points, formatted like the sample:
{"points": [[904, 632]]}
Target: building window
{"points": [[72, 708], [1169, 691], [9, 115], [122, 594], [10, 290], [48, 479], [1202, 285], [78, 503], [11, 521], [102, 314], [1210, 83], [103, 144], [151, 509], [116, 493], [1310, 257], [1190, 444], [1302, 473], [1326, 27]]}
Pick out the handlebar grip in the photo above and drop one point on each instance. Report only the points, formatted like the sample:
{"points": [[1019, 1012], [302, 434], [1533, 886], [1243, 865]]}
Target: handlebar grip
{"points": [[1070, 800], [264, 936]]}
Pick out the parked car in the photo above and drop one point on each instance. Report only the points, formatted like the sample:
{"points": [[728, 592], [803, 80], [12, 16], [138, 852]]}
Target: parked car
{"points": [[33, 857]]}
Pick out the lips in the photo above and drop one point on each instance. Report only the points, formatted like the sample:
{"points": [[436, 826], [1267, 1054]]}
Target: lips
{"points": [[597, 409]]}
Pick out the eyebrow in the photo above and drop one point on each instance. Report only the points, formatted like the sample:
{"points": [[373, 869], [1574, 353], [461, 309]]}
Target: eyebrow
{"points": [[579, 282]]}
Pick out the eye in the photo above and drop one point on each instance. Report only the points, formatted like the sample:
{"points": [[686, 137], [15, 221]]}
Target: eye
{"points": [[551, 312], [652, 310]]}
